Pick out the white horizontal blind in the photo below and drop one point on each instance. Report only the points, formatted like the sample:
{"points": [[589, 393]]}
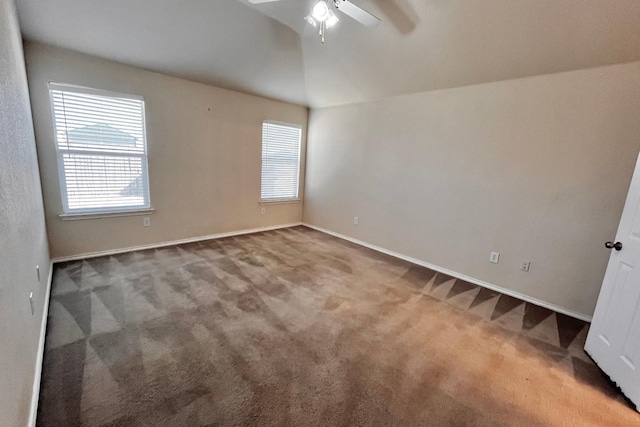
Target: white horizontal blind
{"points": [[280, 161], [102, 149]]}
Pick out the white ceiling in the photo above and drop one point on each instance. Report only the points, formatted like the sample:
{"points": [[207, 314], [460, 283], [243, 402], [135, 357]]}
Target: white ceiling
{"points": [[221, 42], [266, 49]]}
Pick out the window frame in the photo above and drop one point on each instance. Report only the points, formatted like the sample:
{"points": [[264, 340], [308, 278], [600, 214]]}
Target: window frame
{"points": [[297, 197], [110, 211]]}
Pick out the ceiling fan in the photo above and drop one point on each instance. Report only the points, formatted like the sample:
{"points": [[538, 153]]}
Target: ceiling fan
{"points": [[322, 17]]}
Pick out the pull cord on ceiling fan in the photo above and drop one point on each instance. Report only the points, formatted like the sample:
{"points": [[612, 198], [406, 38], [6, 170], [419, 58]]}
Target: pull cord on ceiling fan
{"points": [[322, 17]]}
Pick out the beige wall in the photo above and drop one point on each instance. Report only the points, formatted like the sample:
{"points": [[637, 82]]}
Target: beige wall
{"points": [[23, 239], [535, 168], [204, 166]]}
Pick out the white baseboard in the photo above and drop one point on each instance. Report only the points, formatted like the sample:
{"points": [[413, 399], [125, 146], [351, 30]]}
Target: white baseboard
{"points": [[556, 308], [35, 393], [171, 243], [496, 288]]}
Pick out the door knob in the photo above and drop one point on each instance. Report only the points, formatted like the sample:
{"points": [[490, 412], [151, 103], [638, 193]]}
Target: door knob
{"points": [[610, 245]]}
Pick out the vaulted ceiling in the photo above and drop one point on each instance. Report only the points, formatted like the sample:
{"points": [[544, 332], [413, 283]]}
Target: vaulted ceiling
{"points": [[268, 50]]}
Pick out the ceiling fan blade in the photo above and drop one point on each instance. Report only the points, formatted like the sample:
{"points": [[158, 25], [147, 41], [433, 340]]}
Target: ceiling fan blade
{"points": [[261, 1], [357, 13]]}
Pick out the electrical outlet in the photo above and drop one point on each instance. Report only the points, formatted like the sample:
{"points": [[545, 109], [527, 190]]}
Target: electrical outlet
{"points": [[38, 272], [146, 221], [494, 257], [356, 221], [524, 265], [33, 309], [263, 211]]}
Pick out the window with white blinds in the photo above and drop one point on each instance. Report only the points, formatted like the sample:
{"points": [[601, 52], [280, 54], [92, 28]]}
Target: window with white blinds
{"points": [[102, 149], [280, 161]]}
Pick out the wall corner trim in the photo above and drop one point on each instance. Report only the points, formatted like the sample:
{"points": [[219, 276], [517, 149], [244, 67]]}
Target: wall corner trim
{"points": [[484, 284], [35, 393]]}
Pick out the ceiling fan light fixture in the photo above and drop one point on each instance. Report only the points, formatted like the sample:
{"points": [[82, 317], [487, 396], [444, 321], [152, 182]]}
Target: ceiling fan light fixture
{"points": [[320, 11]]}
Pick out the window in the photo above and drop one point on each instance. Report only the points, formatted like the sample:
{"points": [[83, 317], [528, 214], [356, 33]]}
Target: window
{"points": [[102, 150], [280, 161]]}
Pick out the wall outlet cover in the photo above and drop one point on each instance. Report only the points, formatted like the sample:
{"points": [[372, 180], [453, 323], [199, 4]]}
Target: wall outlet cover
{"points": [[494, 257]]}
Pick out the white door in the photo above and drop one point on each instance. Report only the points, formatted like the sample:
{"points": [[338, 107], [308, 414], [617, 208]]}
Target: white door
{"points": [[614, 337]]}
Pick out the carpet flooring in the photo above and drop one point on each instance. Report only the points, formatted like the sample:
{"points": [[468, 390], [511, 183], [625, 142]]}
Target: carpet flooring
{"points": [[297, 328]]}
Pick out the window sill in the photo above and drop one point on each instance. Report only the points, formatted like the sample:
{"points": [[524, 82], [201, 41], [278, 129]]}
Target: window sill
{"points": [[279, 201], [104, 214]]}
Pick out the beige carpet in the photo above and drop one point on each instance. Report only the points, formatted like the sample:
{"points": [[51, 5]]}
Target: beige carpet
{"points": [[298, 328]]}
